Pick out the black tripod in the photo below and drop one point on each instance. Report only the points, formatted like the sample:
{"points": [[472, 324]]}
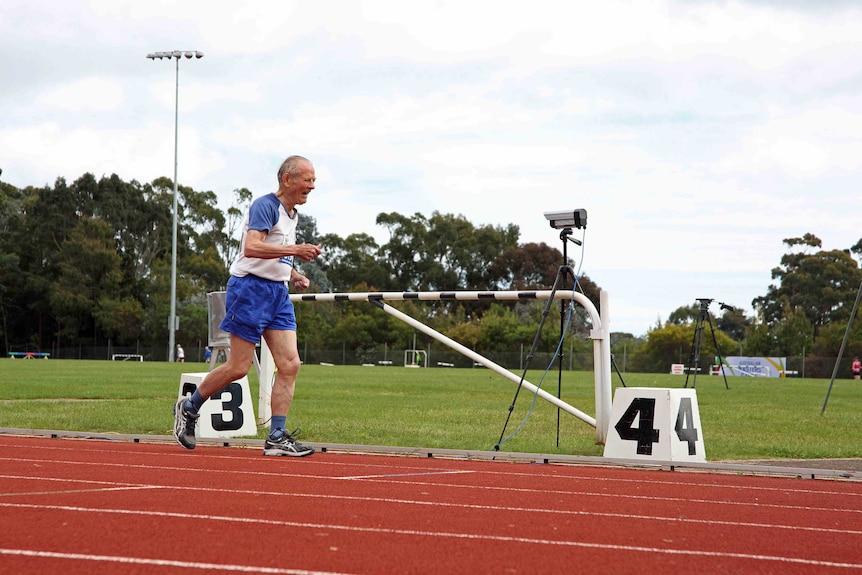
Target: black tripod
{"points": [[697, 342], [563, 273]]}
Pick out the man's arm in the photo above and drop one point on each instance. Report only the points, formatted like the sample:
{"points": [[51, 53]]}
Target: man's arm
{"points": [[298, 281], [256, 247]]}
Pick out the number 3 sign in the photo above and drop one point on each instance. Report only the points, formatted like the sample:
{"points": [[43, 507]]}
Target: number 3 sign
{"points": [[228, 413], [655, 424]]}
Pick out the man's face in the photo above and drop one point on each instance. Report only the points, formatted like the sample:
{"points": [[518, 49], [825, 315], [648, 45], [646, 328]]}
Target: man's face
{"points": [[301, 184]]}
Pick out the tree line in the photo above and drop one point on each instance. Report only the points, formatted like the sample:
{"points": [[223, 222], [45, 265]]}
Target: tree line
{"points": [[87, 264]]}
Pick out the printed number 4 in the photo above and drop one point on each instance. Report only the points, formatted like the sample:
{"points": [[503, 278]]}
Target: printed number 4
{"points": [[645, 434], [685, 429]]}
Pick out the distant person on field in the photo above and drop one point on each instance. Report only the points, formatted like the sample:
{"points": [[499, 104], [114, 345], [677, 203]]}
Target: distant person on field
{"points": [[181, 354], [857, 368], [207, 354], [257, 303]]}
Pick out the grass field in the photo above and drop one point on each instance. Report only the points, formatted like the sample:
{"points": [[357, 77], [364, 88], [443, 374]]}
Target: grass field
{"points": [[757, 418]]}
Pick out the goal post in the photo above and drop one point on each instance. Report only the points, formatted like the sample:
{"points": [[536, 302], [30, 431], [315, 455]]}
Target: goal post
{"points": [[127, 357], [415, 358], [600, 334]]}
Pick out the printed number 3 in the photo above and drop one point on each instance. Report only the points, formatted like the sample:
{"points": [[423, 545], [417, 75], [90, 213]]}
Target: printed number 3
{"points": [[232, 406]]}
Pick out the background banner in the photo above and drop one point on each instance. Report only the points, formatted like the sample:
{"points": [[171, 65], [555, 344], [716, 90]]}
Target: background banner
{"points": [[755, 366]]}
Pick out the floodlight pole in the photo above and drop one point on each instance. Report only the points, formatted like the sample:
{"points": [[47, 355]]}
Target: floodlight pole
{"points": [[172, 319]]}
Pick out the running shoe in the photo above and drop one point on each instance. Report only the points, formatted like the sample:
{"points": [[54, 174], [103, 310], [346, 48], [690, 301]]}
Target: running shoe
{"points": [[281, 442], [184, 425]]}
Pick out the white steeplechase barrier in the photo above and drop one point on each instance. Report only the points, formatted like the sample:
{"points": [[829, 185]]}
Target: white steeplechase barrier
{"points": [[600, 334]]}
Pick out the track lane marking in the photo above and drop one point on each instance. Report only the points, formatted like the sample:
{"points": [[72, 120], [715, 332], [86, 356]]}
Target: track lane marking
{"points": [[318, 462], [506, 508], [282, 474], [509, 489], [162, 562], [409, 474], [70, 491], [465, 536]]}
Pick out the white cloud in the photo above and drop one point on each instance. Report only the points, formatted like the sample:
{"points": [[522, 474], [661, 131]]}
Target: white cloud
{"points": [[698, 135], [86, 94]]}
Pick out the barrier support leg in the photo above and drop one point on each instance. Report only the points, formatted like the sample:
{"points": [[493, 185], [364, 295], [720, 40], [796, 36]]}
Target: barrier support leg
{"points": [[483, 360]]}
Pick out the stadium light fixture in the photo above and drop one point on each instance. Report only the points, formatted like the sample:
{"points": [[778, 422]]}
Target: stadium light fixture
{"points": [[172, 320]]}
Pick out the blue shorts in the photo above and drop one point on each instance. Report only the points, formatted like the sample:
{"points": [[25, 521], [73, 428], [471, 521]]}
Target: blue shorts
{"points": [[253, 304]]}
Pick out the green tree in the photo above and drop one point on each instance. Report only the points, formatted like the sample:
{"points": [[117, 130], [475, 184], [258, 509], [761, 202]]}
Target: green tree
{"points": [[445, 252], [759, 340], [62, 236], [734, 323], [792, 334], [673, 344], [664, 346], [352, 261], [821, 284], [88, 272], [404, 253], [824, 352], [234, 221], [10, 271], [526, 266], [465, 252], [625, 346], [362, 327], [684, 314], [120, 319]]}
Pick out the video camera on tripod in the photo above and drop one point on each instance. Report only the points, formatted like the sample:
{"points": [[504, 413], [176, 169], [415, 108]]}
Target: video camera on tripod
{"points": [[704, 302], [697, 341]]}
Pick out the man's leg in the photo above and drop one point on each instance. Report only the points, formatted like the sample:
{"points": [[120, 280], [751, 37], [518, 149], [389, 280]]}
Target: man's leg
{"points": [[282, 344], [186, 409], [236, 367]]}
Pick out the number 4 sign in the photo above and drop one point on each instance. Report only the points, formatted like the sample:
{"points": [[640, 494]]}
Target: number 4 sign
{"points": [[228, 413], [655, 424]]}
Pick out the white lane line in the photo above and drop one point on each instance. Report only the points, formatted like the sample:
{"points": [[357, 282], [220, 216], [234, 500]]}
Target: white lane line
{"points": [[409, 474], [540, 473], [506, 508], [510, 489], [93, 490], [161, 562], [462, 536]]}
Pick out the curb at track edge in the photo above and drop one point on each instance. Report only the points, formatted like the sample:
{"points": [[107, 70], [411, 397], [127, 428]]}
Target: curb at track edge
{"points": [[741, 468]]}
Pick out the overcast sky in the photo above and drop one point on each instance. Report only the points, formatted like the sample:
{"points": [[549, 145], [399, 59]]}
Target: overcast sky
{"points": [[697, 135]]}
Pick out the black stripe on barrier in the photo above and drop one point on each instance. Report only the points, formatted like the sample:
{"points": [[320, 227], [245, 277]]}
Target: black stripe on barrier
{"points": [[416, 295]]}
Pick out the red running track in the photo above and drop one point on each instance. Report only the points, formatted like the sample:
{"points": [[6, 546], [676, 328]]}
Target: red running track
{"points": [[83, 506]]}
